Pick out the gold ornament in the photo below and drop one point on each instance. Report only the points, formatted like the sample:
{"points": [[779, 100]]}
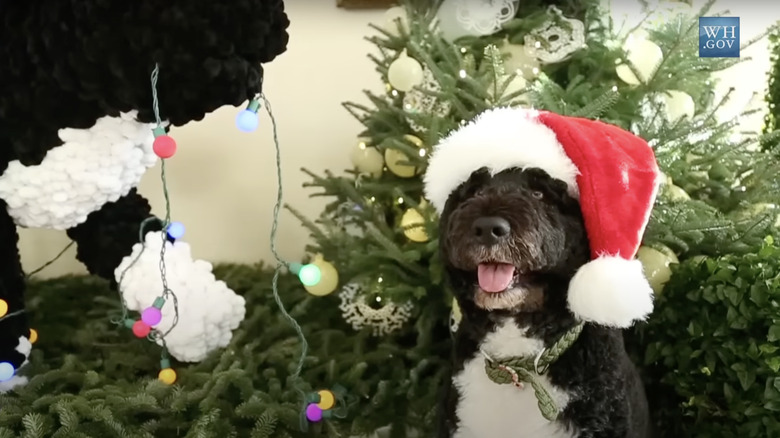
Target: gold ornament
{"points": [[678, 105], [396, 160], [520, 59], [329, 278], [405, 73], [656, 264], [644, 55], [676, 194], [518, 83], [455, 316], [413, 224], [367, 159]]}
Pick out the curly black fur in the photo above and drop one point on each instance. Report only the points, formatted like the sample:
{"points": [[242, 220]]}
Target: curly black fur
{"points": [[67, 63], [547, 244]]}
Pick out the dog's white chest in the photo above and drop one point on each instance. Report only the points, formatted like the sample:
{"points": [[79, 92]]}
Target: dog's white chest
{"points": [[92, 167], [489, 410]]}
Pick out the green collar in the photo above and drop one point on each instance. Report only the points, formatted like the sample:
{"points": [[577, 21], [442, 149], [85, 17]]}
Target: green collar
{"points": [[517, 370]]}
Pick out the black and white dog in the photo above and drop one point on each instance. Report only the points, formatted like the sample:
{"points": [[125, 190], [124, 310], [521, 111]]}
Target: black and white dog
{"points": [[76, 120], [526, 246]]}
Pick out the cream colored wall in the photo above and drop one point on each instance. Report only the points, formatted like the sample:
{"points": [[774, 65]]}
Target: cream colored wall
{"points": [[222, 181]]}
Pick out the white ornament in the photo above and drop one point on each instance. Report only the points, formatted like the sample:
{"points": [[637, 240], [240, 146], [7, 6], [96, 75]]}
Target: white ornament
{"points": [[405, 73], [382, 321], [520, 59], [554, 41], [678, 105], [92, 167], [458, 18], [418, 101], [644, 55], [208, 309], [393, 17], [518, 83]]}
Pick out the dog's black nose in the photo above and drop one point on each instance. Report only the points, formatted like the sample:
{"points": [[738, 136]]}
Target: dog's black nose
{"points": [[491, 229]]}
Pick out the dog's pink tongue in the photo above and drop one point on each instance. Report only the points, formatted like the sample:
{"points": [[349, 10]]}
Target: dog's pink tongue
{"points": [[494, 277]]}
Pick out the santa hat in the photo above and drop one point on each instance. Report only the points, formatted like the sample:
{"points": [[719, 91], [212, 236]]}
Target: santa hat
{"points": [[612, 173]]}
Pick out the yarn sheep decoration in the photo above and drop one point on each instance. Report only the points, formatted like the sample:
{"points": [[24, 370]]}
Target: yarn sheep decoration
{"points": [[76, 120]]}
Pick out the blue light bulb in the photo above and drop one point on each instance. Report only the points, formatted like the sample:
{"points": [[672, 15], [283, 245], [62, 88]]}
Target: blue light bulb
{"points": [[6, 371], [175, 230], [247, 120]]}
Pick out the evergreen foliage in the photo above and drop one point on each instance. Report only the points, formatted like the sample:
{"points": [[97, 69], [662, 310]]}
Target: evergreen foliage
{"points": [[720, 377], [773, 91], [91, 379]]}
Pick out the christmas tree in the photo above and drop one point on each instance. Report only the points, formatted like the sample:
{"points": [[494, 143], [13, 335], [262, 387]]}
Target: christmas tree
{"points": [[714, 210]]}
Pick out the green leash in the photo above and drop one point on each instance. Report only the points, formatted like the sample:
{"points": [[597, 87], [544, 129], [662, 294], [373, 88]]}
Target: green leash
{"points": [[517, 370]]}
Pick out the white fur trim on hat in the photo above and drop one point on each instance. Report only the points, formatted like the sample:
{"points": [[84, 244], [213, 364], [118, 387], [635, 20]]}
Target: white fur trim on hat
{"points": [[611, 291], [498, 139]]}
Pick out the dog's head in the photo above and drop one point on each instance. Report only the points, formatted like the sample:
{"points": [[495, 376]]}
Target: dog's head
{"points": [[505, 237]]}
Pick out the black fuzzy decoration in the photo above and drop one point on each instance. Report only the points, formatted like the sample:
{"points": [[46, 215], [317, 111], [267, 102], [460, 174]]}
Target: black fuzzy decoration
{"points": [[11, 291], [66, 63], [108, 235]]}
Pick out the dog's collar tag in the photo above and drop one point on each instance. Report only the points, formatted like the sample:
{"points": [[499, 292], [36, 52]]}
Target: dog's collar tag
{"points": [[517, 370]]}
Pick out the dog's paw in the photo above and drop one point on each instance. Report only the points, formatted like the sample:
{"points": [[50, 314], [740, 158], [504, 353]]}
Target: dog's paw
{"points": [[611, 291], [22, 349], [208, 311]]}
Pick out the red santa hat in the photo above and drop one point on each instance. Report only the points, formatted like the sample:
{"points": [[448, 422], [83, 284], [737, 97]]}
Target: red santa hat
{"points": [[612, 173]]}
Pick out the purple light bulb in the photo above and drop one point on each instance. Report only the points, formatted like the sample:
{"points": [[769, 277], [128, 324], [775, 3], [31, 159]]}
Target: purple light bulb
{"points": [[151, 316], [313, 413]]}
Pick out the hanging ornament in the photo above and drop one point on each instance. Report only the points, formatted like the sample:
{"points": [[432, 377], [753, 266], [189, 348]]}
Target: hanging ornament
{"points": [[329, 278], [396, 160], [367, 159], [676, 194], [455, 316], [678, 105], [459, 18], [644, 55], [382, 319], [413, 224], [518, 83], [405, 72], [656, 265], [556, 39], [394, 17], [520, 59], [418, 101]]}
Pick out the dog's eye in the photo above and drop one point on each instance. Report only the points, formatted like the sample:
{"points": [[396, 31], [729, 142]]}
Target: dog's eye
{"points": [[537, 194]]}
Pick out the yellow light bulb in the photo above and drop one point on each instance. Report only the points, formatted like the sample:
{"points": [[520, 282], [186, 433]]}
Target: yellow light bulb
{"points": [[327, 400], [33, 336], [3, 308], [167, 376]]}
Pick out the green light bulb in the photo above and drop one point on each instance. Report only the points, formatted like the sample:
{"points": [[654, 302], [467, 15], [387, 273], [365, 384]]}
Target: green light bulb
{"points": [[309, 275]]}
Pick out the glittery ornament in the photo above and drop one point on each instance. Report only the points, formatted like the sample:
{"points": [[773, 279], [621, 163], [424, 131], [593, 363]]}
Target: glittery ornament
{"points": [[382, 320], [558, 38]]}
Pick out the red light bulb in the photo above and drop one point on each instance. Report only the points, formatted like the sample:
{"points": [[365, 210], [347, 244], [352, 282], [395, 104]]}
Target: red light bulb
{"points": [[141, 329], [164, 146]]}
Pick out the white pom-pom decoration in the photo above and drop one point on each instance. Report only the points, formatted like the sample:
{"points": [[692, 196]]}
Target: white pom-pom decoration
{"points": [[208, 310], [92, 167]]}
